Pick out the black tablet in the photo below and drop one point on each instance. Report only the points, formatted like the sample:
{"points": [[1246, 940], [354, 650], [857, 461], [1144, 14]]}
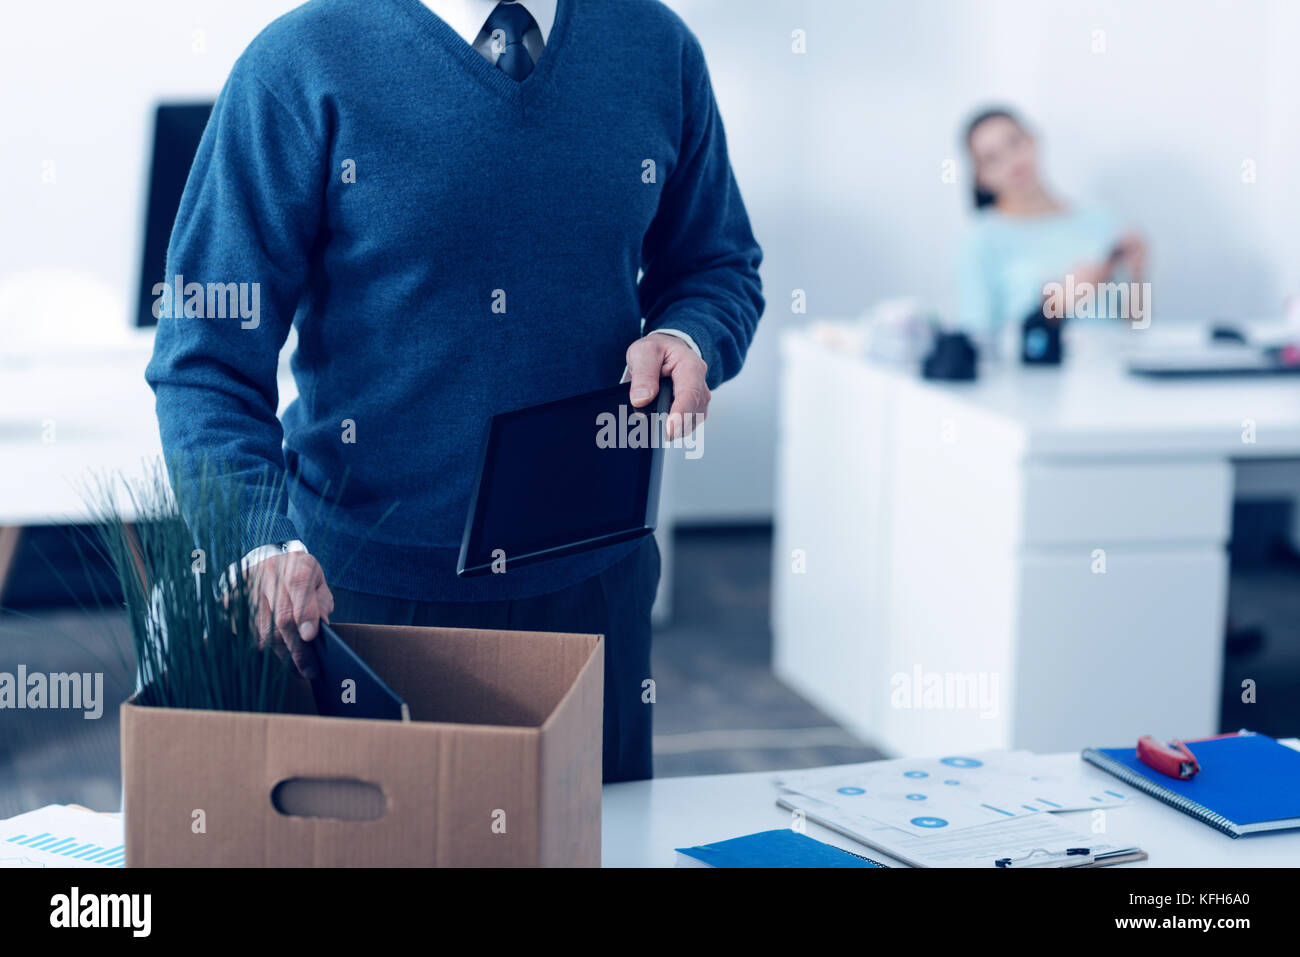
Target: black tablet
{"points": [[565, 477], [346, 687]]}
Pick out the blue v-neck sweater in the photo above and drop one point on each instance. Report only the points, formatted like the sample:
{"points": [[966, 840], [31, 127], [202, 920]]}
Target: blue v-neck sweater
{"points": [[449, 243]]}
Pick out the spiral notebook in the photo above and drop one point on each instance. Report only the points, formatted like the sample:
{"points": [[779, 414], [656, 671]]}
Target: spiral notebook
{"points": [[1247, 783]]}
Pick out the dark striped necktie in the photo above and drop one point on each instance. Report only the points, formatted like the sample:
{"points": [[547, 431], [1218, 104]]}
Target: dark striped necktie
{"points": [[508, 24]]}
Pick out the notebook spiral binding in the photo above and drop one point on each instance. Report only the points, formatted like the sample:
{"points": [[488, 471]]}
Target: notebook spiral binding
{"points": [[1135, 780], [869, 860]]}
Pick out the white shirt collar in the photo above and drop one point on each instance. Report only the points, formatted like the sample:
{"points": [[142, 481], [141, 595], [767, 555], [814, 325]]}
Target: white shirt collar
{"points": [[467, 17]]}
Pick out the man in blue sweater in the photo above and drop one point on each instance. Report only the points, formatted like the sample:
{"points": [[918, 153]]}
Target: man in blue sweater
{"points": [[463, 207]]}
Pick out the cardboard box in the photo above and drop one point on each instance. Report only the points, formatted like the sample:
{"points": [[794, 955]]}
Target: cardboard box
{"points": [[499, 766]]}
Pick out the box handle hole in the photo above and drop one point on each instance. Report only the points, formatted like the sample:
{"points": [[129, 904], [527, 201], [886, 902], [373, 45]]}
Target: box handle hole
{"points": [[338, 799]]}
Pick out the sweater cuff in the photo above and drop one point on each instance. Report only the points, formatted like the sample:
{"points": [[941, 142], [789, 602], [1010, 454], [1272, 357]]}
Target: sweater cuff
{"points": [[266, 528]]}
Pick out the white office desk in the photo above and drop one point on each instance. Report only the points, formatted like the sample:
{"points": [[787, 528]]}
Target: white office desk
{"points": [[68, 414], [71, 416], [643, 821], [1058, 535]]}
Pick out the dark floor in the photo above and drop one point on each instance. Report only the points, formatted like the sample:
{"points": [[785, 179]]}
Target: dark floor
{"points": [[54, 756], [1264, 649], [718, 707]]}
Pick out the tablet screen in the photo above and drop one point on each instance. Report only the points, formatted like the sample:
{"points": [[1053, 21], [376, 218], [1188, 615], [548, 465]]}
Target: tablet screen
{"points": [[564, 477]]}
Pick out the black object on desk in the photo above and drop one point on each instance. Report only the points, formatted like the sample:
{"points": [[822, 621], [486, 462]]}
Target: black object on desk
{"points": [[565, 477], [1040, 341], [952, 357], [1222, 332]]}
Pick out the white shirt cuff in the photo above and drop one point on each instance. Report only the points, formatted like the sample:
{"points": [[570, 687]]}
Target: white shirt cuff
{"points": [[262, 552], [680, 335], [258, 555]]}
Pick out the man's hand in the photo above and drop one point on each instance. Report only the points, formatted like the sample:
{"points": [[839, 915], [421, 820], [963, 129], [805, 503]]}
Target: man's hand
{"points": [[658, 355], [291, 597]]}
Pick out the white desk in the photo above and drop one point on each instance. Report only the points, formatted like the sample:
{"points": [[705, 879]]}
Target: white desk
{"points": [[643, 821], [68, 414], [952, 539]]}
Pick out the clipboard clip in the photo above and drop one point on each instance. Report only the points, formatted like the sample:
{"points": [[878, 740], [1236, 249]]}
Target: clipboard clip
{"points": [[1174, 759], [1041, 857]]}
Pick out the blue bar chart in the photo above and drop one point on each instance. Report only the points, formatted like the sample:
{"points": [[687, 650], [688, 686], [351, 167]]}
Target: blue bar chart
{"points": [[63, 836], [72, 847]]}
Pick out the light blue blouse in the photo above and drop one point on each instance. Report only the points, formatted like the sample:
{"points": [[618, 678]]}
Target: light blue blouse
{"points": [[1007, 260]]}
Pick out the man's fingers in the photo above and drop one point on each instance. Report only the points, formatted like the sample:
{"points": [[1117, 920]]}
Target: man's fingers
{"points": [[300, 576], [306, 612], [645, 362], [286, 629], [304, 656], [289, 639], [285, 625], [690, 399], [308, 618], [290, 598], [325, 602], [263, 619]]}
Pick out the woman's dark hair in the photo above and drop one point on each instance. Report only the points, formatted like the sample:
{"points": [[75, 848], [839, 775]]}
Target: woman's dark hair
{"points": [[982, 196]]}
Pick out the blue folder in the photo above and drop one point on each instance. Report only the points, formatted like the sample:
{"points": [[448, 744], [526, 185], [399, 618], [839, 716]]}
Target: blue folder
{"points": [[780, 848], [1247, 783]]}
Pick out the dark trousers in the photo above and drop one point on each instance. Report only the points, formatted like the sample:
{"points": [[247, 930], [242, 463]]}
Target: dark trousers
{"points": [[616, 603]]}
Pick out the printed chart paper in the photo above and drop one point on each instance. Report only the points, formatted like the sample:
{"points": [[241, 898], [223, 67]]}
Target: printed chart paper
{"points": [[1017, 838], [949, 793], [61, 836]]}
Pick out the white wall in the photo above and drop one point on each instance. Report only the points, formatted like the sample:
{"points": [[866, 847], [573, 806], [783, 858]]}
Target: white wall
{"points": [[78, 83], [838, 151]]}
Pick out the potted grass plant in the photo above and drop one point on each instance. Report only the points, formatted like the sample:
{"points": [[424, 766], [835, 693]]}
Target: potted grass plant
{"points": [[193, 623]]}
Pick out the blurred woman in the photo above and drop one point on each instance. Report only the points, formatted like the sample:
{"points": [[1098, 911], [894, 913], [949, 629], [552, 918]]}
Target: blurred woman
{"points": [[1027, 241]]}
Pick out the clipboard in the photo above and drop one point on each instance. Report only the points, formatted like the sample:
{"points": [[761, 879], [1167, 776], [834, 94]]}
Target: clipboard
{"points": [[906, 848], [1041, 857]]}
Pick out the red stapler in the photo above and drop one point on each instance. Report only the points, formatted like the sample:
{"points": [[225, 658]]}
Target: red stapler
{"points": [[1173, 759]]}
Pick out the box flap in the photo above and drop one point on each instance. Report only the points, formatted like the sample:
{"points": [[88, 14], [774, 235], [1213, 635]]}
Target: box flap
{"points": [[474, 676]]}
